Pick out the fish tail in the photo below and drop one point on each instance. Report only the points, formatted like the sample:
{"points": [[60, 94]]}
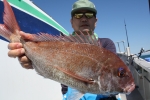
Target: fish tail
{"points": [[10, 29]]}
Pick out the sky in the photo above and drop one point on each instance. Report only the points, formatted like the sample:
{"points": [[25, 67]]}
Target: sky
{"points": [[111, 15], [18, 83]]}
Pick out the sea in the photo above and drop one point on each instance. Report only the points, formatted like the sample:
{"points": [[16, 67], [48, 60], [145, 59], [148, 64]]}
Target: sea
{"points": [[145, 56]]}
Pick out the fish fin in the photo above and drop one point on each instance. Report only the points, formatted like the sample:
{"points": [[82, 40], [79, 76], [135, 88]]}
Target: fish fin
{"points": [[73, 94], [4, 32], [72, 74], [86, 37], [9, 30], [9, 18], [79, 38], [40, 37]]}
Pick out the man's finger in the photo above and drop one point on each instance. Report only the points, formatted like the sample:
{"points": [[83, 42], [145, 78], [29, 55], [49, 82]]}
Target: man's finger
{"points": [[16, 52], [26, 36], [24, 59], [12, 46], [26, 65]]}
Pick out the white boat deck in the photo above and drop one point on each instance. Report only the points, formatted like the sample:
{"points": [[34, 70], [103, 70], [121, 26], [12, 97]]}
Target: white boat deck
{"points": [[141, 62], [141, 73]]}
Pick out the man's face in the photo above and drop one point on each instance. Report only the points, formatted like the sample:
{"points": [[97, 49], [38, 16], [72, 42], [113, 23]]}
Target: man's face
{"points": [[83, 23]]}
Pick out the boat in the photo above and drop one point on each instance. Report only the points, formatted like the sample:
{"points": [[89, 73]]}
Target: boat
{"points": [[36, 20], [140, 68]]}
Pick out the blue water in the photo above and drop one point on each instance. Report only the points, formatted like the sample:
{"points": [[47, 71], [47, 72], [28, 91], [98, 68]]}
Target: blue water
{"points": [[145, 56]]}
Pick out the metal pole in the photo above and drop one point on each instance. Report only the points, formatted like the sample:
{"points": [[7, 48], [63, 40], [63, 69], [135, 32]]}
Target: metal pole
{"points": [[118, 46], [123, 46], [126, 33], [149, 4]]}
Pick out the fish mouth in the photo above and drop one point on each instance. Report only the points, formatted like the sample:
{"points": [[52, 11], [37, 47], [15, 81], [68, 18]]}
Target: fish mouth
{"points": [[129, 88]]}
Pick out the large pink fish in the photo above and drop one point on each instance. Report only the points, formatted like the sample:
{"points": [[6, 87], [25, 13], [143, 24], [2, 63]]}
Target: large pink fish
{"points": [[76, 61]]}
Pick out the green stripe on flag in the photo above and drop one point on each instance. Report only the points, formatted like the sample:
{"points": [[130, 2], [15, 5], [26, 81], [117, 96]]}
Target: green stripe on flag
{"points": [[28, 8]]}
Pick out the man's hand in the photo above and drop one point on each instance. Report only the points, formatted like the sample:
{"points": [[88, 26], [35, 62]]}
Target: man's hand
{"points": [[17, 50]]}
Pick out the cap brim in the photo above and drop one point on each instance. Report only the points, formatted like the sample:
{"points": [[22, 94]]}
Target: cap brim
{"points": [[84, 8]]}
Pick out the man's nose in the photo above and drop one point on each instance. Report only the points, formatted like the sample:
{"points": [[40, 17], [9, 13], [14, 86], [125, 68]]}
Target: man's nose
{"points": [[84, 19]]}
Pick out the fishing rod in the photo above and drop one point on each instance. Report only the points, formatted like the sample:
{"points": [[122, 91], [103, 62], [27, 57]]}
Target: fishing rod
{"points": [[140, 53], [149, 4], [126, 33]]}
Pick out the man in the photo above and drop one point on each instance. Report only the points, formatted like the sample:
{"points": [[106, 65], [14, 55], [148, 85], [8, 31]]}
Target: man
{"points": [[83, 19]]}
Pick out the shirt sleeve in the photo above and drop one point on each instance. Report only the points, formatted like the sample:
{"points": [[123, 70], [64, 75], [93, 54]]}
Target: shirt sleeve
{"points": [[107, 44]]}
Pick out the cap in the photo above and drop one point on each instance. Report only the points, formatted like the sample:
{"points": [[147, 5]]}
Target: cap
{"points": [[83, 4]]}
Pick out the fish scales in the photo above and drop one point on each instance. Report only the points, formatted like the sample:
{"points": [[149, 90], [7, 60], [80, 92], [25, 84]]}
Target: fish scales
{"points": [[57, 57], [77, 61]]}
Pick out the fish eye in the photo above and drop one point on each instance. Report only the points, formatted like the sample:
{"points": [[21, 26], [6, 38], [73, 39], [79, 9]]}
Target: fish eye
{"points": [[121, 72]]}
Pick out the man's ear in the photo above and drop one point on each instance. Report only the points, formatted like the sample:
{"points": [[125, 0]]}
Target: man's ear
{"points": [[96, 21], [71, 21]]}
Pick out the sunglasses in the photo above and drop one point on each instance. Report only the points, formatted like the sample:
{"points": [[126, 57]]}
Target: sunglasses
{"points": [[87, 15]]}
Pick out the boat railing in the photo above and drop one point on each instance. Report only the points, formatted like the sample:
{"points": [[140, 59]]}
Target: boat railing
{"points": [[140, 69]]}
